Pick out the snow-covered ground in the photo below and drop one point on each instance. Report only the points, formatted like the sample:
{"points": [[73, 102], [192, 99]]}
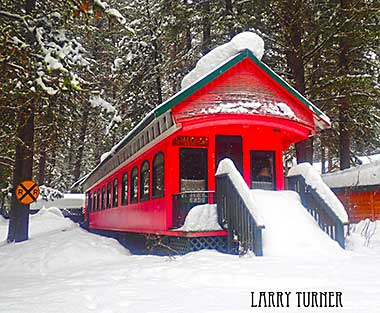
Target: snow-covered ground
{"points": [[62, 268]]}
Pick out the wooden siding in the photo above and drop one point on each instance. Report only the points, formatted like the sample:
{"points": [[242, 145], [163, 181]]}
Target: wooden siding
{"points": [[360, 204]]}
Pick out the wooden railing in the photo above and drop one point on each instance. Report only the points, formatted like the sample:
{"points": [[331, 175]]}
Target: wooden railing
{"points": [[326, 218], [183, 202], [234, 215]]}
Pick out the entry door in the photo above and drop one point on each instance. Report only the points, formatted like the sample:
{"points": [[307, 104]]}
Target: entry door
{"points": [[229, 147]]}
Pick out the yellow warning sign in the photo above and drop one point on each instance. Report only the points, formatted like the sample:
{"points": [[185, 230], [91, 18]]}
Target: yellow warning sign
{"points": [[27, 192]]}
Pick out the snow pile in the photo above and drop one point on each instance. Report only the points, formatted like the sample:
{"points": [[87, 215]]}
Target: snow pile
{"points": [[217, 56], [252, 107], [202, 217], [289, 229], [56, 243], [363, 175], [313, 179], [65, 269], [364, 235], [226, 166]]}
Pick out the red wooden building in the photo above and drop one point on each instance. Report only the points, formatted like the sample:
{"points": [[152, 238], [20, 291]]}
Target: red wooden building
{"points": [[241, 110]]}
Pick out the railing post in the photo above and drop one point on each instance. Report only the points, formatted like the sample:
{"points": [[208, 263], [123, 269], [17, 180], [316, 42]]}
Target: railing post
{"points": [[258, 241], [339, 233]]}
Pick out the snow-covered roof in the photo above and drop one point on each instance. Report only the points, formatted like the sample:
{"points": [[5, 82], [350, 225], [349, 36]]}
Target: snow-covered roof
{"points": [[363, 175], [243, 41]]}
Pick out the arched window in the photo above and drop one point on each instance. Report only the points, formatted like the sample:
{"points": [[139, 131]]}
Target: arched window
{"points": [[94, 201], [114, 192], [108, 195], [134, 185], [144, 181], [98, 200], [103, 197], [158, 175], [124, 189], [89, 202]]}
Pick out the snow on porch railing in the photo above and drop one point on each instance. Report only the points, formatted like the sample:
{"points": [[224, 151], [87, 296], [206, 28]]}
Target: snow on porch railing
{"points": [[236, 211], [319, 200]]}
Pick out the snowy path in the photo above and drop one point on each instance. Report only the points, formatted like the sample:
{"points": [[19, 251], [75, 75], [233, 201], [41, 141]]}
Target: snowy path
{"points": [[76, 272]]}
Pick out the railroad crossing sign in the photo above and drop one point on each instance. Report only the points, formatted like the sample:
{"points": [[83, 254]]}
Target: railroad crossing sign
{"points": [[27, 192]]}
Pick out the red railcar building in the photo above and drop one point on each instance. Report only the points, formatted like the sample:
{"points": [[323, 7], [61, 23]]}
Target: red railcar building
{"points": [[166, 165]]}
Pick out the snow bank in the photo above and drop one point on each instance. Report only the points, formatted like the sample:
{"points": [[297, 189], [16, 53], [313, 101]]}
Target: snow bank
{"points": [[289, 229], [313, 179], [364, 237], [363, 175], [226, 166], [213, 59], [202, 217], [56, 243]]}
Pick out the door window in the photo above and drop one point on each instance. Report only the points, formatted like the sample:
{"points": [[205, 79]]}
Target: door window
{"points": [[193, 169], [262, 170]]}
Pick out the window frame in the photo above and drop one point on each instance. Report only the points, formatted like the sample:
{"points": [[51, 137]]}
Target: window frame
{"points": [[98, 200], [115, 193], [143, 195], [134, 198], [124, 189], [272, 169], [155, 193], [108, 202], [103, 197]]}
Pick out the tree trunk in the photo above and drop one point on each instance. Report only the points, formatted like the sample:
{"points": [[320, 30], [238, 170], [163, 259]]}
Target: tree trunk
{"points": [[18, 229], [294, 56], [229, 18], [304, 151], [19, 213], [206, 28], [42, 166], [344, 107], [82, 137], [323, 158]]}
